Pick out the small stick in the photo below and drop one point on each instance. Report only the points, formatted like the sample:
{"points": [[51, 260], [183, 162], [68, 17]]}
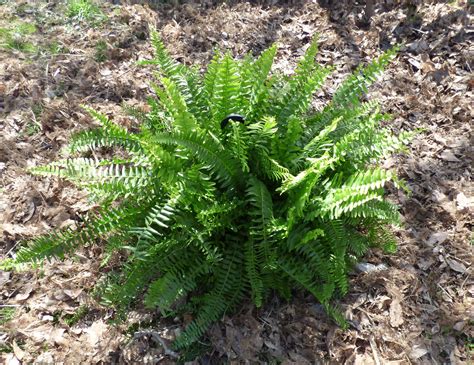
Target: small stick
{"points": [[157, 338]]}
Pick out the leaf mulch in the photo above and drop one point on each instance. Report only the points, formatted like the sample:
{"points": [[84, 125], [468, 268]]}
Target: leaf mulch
{"points": [[413, 307]]}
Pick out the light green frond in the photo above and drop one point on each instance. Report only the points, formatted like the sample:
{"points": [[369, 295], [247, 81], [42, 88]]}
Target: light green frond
{"points": [[239, 145], [357, 190], [356, 85], [161, 58], [255, 75], [225, 96], [174, 103]]}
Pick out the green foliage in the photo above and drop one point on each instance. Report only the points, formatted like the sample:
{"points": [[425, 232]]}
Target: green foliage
{"points": [[100, 54], [84, 10], [72, 319], [16, 37], [213, 213], [6, 314]]}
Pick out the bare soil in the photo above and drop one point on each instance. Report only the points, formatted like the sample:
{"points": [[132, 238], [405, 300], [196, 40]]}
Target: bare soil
{"points": [[417, 310]]}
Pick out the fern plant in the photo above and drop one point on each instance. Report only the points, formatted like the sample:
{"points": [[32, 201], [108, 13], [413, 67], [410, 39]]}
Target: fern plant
{"points": [[233, 187]]}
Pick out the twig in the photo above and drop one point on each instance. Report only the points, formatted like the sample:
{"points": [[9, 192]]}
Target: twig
{"points": [[445, 291], [375, 350], [157, 338], [419, 30]]}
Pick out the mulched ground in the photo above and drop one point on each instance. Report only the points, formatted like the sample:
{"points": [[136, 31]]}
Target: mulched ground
{"points": [[416, 310]]}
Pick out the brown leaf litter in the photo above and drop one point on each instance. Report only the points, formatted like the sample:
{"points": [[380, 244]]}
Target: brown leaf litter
{"points": [[416, 309]]}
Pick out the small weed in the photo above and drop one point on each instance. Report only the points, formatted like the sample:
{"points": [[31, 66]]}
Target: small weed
{"points": [[6, 314], [470, 349], [16, 38], [32, 128], [7, 264], [85, 10], [37, 110], [4, 349], [56, 48], [100, 51], [72, 319]]}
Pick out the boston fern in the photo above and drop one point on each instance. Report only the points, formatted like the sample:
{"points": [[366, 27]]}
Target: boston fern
{"points": [[233, 188]]}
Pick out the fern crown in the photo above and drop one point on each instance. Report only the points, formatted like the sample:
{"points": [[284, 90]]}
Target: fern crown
{"points": [[233, 186]]}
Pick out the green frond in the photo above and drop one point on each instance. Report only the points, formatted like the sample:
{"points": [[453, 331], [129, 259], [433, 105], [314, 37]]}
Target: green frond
{"points": [[338, 236], [211, 76], [239, 145], [174, 104], [383, 211], [271, 168], [226, 293], [309, 176], [297, 269], [307, 79], [97, 138], [157, 219], [381, 236], [179, 280], [191, 87], [225, 97], [107, 124], [348, 120], [260, 198], [252, 261], [356, 85], [357, 190], [254, 77], [102, 176], [58, 243], [261, 212], [315, 145], [161, 58], [206, 150]]}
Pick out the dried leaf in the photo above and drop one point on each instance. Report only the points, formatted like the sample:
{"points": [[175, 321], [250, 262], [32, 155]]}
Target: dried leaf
{"points": [[456, 266], [447, 155], [368, 267], [11, 360], [19, 353], [73, 293], [21, 297], [459, 326], [57, 336], [464, 202], [417, 352], [364, 359], [4, 278], [396, 313], [438, 238], [95, 332]]}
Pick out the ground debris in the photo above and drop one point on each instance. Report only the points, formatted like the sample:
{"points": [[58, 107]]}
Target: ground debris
{"points": [[416, 310]]}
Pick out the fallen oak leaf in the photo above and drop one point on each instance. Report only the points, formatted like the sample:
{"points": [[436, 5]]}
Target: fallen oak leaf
{"points": [[396, 313], [21, 297], [456, 266], [447, 155], [19, 353], [463, 202]]}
